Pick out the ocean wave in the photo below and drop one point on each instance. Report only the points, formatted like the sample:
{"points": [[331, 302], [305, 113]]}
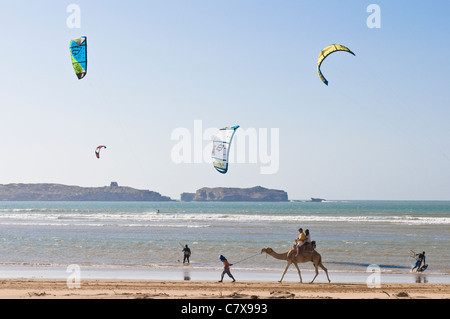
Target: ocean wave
{"points": [[103, 225], [153, 217]]}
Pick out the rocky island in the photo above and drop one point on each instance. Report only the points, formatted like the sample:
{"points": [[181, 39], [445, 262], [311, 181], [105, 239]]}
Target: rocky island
{"points": [[226, 194], [58, 192]]}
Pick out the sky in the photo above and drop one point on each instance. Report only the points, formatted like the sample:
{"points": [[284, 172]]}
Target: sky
{"points": [[163, 75]]}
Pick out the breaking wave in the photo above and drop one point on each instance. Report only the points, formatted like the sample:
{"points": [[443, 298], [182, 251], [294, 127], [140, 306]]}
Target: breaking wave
{"points": [[173, 219]]}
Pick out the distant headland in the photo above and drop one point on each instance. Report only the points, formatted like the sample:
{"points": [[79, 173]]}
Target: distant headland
{"points": [[226, 194], [58, 192], [114, 192]]}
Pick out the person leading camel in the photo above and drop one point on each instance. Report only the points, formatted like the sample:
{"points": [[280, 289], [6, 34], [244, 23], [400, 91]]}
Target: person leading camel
{"points": [[226, 268]]}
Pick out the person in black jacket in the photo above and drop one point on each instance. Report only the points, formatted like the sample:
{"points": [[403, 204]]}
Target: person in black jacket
{"points": [[187, 253]]}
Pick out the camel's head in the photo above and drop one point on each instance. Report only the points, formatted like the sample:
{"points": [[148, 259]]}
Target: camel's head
{"points": [[266, 250]]}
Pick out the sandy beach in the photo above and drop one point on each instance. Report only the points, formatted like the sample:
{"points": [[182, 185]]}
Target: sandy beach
{"points": [[154, 289]]}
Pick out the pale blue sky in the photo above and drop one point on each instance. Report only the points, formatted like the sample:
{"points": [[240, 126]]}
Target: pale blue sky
{"points": [[380, 130]]}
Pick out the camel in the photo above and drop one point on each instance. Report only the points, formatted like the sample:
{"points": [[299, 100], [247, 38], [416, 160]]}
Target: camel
{"points": [[303, 257]]}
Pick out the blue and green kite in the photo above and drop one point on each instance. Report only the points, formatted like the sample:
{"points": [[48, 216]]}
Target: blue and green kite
{"points": [[78, 52]]}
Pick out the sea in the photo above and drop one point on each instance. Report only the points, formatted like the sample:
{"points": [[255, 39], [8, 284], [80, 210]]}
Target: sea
{"points": [[144, 240]]}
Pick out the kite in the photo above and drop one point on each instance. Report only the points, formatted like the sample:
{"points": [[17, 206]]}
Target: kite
{"points": [[221, 145], [326, 52], [78, 52], [97, 150]]}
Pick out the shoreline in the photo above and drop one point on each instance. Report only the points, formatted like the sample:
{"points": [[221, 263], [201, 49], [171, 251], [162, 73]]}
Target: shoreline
{"points": [[189, 273], [113, 282]]}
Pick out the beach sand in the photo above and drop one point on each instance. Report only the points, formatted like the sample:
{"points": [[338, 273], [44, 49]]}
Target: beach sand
{"points": [[172, 289]]}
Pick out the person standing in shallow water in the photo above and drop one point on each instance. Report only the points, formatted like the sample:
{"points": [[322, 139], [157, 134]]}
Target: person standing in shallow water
{"points": [[226, 268], [187, 254]]}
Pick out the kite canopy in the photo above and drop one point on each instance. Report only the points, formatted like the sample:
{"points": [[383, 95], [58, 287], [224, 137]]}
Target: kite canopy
{"points": [[221, 145], [97, 150], [326, 52], [78, 52]]}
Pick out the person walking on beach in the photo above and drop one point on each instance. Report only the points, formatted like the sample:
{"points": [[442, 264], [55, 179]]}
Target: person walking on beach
{"points": [[226, 268], [187, 253], [300, 240], [419, 259]]}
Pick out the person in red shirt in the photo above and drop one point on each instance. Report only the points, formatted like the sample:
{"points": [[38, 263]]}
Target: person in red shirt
{"points": [[226, 268]]}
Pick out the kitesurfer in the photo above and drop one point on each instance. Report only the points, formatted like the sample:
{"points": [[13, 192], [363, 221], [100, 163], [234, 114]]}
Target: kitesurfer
{"points": [[420, 258], [187, 253], [226, 268]]}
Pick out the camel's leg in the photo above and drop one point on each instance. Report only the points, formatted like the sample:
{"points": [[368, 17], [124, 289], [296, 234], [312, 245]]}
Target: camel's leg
{"points": [[326, 271], [298, 270], [285, 269], [316, 268]]}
